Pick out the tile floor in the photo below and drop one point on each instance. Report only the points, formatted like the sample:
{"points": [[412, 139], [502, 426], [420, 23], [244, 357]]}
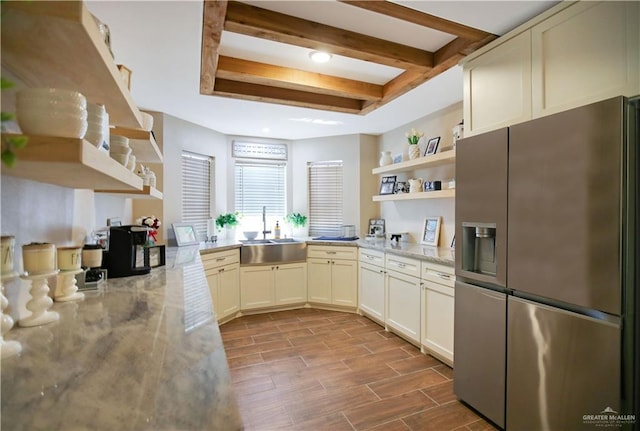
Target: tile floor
{"points": [[320, 370]]}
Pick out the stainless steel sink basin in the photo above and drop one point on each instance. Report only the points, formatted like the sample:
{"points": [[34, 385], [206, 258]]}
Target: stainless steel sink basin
{"points": [[269, 251]]}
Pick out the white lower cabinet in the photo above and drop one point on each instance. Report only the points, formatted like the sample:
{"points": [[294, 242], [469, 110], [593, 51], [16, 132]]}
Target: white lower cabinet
{"points": [[273, 285], [222, 272], [371, 282], [403, 297], [437, 302], [332, 275]]}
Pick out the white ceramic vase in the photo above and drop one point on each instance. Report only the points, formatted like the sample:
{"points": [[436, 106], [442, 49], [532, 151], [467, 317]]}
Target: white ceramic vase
{"points": [[414, 151], [385, 158]]}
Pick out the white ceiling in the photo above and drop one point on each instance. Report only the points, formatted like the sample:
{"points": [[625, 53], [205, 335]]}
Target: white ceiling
{"points": [[160, 42]]}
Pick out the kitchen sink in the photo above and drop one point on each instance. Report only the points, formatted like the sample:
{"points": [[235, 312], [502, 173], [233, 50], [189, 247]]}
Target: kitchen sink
{"points": [[270, 251]]}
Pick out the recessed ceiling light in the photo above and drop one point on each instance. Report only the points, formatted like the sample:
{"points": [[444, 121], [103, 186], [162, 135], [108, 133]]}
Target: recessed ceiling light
{"points": [[319, 56]]}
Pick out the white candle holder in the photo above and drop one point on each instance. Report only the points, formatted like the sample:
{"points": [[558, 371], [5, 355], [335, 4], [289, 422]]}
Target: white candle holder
{"points": [[40, 302], [66, 289], [7, 348]]}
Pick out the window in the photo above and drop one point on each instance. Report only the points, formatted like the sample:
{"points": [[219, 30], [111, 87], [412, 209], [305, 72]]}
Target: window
{"points": [[197, 195], [325, 198], [260, 185]]}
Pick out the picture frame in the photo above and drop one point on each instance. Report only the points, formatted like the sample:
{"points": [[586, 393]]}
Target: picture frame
{"points": [[431, 231], [397, 158], [155, 256], [387, 185], [401, 187], [376, 227], [186, 234], [432, 146], [453, 243]]}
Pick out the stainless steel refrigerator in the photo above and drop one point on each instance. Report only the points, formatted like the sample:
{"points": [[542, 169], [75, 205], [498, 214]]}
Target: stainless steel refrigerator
{"points": [[546, 268]]}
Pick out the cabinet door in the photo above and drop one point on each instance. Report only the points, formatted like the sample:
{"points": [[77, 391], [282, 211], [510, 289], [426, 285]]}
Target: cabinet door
{"points": [[319, 280], [344, 282], [257, 287], [213, 280], [497, 86], [403, 305], [437, 320], [585, 53], [291, 283], [228, 291], [371, 291]]}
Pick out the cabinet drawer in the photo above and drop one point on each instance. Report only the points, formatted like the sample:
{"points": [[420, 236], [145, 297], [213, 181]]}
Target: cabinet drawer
{"points": [[437, 273], [220, 258], [373, 257], [332, 252], [404, 265]]}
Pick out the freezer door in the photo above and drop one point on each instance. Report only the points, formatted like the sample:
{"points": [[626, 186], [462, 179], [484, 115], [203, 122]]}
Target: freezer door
{"points": [[564, 222], [561, 366], [480, 346]]}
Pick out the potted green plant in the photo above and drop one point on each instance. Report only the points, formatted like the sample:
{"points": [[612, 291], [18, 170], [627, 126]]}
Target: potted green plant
{"points": [[228, 221], [298, 224]]}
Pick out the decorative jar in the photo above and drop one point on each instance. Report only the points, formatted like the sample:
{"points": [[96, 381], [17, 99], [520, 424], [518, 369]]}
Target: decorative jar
{"points": [[385, 158]]}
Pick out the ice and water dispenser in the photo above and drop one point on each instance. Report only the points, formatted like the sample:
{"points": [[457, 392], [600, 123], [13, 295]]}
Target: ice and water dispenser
{"points": [[479, 248]]}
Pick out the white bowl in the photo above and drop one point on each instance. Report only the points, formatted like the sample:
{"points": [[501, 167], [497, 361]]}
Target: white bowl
{"points": [[252, 234], [52, 94], [120, 158], [131, 163], [52, 123], [96, 138], [37, 104], [119, 151], [119, 140], [96, 109]]}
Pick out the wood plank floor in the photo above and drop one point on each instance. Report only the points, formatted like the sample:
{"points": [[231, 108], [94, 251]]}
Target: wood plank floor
{"points": [[320, 370]]}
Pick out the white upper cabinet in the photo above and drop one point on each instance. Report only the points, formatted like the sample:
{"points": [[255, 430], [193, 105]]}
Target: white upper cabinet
{"points": [[583, 54], [497, 87], [572, 55]]}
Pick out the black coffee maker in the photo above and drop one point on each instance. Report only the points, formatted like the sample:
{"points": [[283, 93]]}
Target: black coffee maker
{"points": [[126, 254]]}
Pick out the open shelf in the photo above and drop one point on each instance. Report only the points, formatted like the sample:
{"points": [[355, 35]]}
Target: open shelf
{"points": [[142, 143], [71, 163], [449, 193], [444, 158], [147, 192], [58, 44]]}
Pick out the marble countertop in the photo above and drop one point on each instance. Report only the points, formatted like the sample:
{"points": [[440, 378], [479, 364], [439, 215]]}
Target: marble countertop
{"points": [[440, 255], [142, 353]]}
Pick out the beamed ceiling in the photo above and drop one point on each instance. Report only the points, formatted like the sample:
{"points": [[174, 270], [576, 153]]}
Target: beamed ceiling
{"points": [[239, 78]]}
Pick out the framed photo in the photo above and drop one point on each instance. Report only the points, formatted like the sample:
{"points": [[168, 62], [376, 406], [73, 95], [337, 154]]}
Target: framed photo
{"points": [[401, 187], [431, 231], [453, 242], [387, 185], [155, 256], [432, 146], [376, 227], [397, 158], [186, 234]]}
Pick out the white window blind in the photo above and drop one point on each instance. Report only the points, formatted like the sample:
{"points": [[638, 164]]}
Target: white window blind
{"points": [[325, 198], [197, 186], [259, 185]]}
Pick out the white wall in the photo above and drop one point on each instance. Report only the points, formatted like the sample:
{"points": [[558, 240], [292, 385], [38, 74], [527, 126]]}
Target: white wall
{"points": [[408, 216]]}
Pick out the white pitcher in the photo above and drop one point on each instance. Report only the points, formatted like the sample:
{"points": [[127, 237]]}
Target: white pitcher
{"points": [[415, 185]]}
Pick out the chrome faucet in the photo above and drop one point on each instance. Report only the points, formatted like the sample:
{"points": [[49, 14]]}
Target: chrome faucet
{"points": [[264, 223]]}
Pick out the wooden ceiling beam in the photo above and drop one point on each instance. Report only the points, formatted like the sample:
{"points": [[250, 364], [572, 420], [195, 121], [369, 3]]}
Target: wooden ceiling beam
{"points": [[420, 18], [263, 93], [253, 21], [212, 26], [275, 76]]}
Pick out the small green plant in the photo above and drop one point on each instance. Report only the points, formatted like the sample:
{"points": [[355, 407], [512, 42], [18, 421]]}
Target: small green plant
{"points": [[228, 219], [296, 219], [9, 144]]}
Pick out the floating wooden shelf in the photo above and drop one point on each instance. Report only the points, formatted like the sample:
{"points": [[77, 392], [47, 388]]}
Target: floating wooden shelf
{"points": [[449, 193], [71, 163], [58, 44], [444, 158], [142, 143], [147, 192]]}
